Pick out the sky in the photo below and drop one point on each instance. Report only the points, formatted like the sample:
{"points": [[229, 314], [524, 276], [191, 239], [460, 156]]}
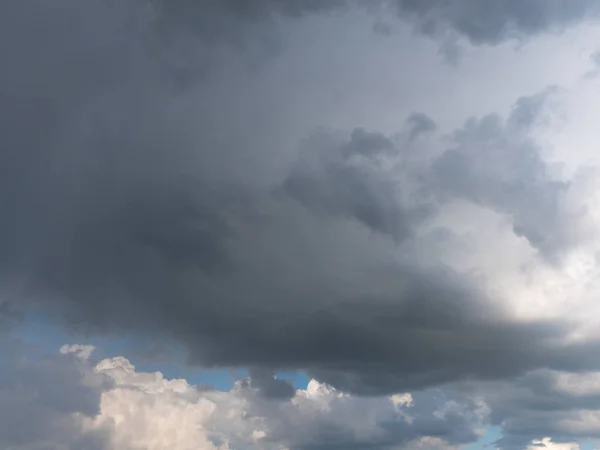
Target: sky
{"points": [[299, 225]]}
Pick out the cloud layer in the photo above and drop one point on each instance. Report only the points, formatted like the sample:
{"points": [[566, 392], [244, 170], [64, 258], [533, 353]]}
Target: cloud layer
{"points": [[108, 405], [165, 171], [71, 401]]}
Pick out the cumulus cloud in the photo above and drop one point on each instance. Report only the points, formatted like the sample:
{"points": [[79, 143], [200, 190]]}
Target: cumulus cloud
{"points": [[70, 400], [107, 404]]}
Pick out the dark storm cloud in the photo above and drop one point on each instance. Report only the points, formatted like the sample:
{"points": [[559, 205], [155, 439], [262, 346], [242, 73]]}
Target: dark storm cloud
{"points": [[130, 204], [327, 178], [495, 21], [488, 23], [197, 12]]}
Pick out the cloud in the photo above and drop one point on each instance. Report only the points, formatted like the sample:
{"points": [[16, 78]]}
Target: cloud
{"points": [[496, 21], [160, 176], [362, 311], [45, 404], [420, 123], [547, 443], [130, 410], [268, 385], [70, 400], [350, 179], [141, 205], [543, 407], [452, 23], [498, 165]]}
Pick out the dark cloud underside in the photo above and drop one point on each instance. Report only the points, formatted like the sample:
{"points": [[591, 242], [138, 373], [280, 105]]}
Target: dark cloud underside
{"points": [[132, 201]]}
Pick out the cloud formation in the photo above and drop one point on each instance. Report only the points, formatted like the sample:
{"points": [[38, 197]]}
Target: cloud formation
{"points": [[137, 206], [73, 401], [45, 404], [160, 174], [350, 269], [496, 21], [109, 405], [491, 24]]}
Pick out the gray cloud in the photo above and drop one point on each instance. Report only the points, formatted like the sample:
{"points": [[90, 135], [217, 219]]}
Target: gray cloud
{"points": [[44, 404], [420, 123], [541, 404], [148, 186], [39, 399], [338, 420], [268, 385], [488, 24], [496, 21], [137, 204], [498, 165], [70, 401], [328, 178]]}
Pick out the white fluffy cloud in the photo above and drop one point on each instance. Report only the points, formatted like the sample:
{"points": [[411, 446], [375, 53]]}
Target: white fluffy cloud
{"points": [[547, 443], [147, 411], [71, 402]]}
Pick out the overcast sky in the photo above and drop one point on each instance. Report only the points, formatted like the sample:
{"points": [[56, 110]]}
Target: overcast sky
{"points": [[394, 202]]}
